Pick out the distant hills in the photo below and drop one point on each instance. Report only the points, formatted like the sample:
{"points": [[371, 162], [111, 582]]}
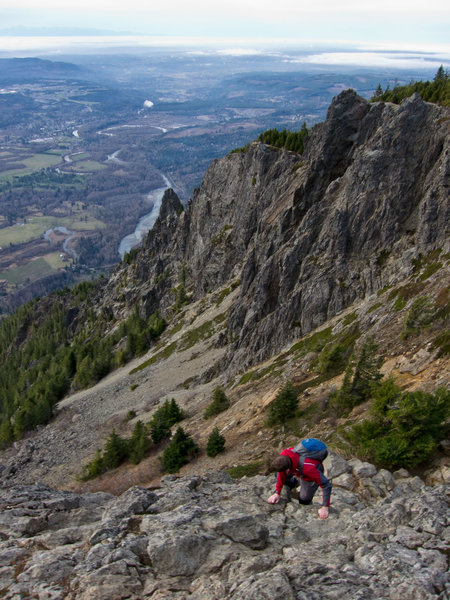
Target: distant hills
{"points": [[21, 70]]}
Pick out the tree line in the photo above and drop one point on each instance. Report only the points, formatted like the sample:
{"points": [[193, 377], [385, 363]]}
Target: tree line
{"points": [[437, 91], [289, 140]]}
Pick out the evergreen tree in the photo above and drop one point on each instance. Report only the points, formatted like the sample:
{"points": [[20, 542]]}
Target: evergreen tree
{"points": [[405, 428], [180, 451], [216, 443], [220, 402], [139, 443], [6, 433], [94, 468], [360, 380], [283, 407], [167, 415], [116, 451], [367, 371]]}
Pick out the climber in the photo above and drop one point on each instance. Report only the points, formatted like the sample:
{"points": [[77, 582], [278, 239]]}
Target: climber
{"points": [[295, 468]]}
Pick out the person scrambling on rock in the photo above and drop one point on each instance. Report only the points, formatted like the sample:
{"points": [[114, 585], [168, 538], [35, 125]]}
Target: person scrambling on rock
{"points": [[302, 466]]}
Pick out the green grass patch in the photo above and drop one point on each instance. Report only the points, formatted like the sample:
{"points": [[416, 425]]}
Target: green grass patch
{"points": [[348, 319], [203, 332], [218, 239], [162, 355], [223, 294], [383, 290], [274, 370], [36, 226], [194, 336], [55, 261], [33, 270], [312, 343], [33, 163], [442, 341], [248, 470], [405, 293], [374, 307], [175, 329], [430, 270], [79, 156]]}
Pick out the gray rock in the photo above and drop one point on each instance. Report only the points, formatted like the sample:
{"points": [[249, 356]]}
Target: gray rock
{"points": [[336, 466], [214, 537], [177, 554], [245, 529], [362, 469]]}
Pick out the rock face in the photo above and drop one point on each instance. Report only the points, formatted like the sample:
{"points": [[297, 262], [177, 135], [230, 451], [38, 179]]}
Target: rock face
{"points": [[210, 537], [305, 236]]}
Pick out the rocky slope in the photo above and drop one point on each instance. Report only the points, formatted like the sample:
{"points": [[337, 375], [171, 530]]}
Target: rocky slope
{"points": [[209, 537]]}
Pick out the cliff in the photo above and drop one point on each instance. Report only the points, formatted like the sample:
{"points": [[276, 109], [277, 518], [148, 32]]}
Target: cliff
{"points": [[306, 236]]}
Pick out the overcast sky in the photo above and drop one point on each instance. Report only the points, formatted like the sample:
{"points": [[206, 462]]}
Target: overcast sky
{"points": [[404, 21]]}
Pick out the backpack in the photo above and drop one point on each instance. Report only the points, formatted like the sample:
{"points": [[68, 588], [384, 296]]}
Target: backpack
{"points": [[310, 448]]}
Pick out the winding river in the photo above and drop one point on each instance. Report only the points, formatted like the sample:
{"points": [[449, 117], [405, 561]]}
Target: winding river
{"points": [[146, 222], [70, 251]]}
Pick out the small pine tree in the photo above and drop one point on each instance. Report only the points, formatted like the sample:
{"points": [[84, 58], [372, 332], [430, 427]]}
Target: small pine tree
{"points": [[167, 415], [6, 433], [94, 468], [179, 452], [116, 451], [283, 407], [216, 443], [219, 403], [367, 371], [139, 443], [360, 380], [405, 427]]}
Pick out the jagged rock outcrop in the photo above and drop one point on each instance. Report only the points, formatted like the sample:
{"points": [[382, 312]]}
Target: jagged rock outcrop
{"points": [[209, 536], [305, 236]]}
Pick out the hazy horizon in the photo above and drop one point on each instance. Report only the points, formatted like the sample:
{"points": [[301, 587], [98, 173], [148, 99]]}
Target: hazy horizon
{"points": [[349, 21], [294, 51]]}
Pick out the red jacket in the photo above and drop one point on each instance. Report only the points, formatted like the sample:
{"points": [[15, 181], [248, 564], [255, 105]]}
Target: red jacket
{"points": [[313, 470]]}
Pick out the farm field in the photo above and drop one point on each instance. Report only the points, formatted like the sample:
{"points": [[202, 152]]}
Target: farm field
{"points": [[30, 164], [33, 270], [34, 227]]}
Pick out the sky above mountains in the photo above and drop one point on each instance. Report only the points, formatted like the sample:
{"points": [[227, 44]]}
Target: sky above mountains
{"points": [[385, 21]]}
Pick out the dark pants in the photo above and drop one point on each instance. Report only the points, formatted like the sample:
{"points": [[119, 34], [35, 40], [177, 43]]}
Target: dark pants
{"points": [[307, 488]]}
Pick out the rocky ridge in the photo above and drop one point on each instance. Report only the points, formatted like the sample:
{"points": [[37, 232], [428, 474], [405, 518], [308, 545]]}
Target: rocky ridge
{"points": [[303, 236], [210, 537]]}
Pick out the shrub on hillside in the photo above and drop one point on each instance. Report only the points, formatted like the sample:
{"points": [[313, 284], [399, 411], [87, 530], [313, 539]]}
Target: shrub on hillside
{"points": [[139, 444], [179, 452], [283, 407], [117, 451], [219, 403], [405, 427], [216, 443], [167, 415], [419, 316], [360, 379]]}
